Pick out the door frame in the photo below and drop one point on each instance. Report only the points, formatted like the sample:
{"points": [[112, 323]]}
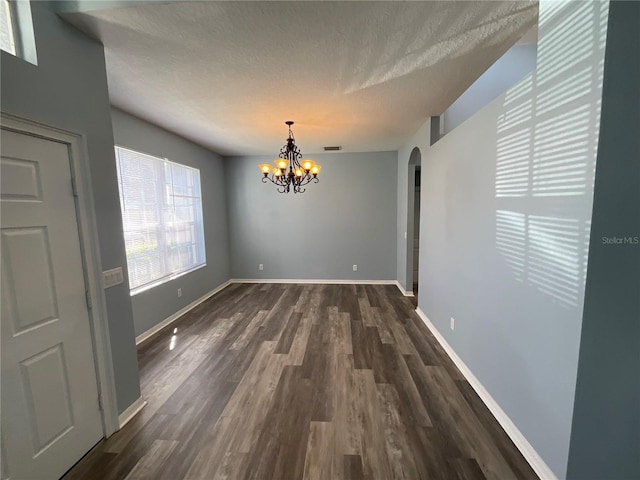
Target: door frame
{"points": [[415, 160], [90, 254]]}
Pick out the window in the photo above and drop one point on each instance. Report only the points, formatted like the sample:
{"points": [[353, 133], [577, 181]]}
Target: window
{"points": [[162, 218], [7, 35], [16, 30]]}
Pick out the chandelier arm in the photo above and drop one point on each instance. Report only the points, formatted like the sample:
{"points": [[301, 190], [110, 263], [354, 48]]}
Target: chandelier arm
{"points": [[269, 178], [308, 179], [281, 182]]}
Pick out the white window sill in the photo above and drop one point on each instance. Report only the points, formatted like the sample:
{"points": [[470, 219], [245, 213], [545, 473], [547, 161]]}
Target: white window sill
{"points": [[162, 280]]}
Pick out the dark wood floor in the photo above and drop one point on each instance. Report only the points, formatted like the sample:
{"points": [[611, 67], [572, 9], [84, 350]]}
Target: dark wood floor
{"points": [[304, 381]]}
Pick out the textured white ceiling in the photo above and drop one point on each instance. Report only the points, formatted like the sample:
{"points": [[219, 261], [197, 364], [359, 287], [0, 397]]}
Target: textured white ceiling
{"points": [[363, 75]]}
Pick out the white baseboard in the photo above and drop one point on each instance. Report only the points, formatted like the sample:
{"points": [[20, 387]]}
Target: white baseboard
{"points": [[527, 450], [404, 292], [131, 411], [318, 281], [324, 282], [156, 328]]}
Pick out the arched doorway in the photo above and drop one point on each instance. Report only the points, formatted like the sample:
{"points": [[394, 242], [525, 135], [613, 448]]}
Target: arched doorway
{"points": [[413, 220]]}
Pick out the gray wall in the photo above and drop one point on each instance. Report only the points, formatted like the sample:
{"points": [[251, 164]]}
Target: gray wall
{"points": [[505, 212], [152, 306], [348, 218], [605, 435], [68, 90], [499, 77]]}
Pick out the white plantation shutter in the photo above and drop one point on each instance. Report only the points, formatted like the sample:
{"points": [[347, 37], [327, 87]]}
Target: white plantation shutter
{"points": [[162, 218]]}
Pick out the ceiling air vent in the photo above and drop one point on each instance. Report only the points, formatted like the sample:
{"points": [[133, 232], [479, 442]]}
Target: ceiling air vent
{"points": [[332, 149]]}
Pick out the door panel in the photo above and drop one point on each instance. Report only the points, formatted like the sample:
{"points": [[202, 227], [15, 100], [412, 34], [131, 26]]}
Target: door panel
{"points": [[27, 250], [50, 413], [22, 180]]}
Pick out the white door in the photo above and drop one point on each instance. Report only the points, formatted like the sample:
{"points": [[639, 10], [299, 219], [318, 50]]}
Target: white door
{"points": [[50, 411]]}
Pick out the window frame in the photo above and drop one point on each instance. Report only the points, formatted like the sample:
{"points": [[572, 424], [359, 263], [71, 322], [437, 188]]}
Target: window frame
{"points": [[164, 247]]}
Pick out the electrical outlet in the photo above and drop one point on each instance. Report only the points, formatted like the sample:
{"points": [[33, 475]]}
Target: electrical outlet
{"points": [[355, 268], [453, 324], [179, 292], [261, 267]]}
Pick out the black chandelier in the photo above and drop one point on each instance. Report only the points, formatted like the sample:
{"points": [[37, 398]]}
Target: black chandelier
{"points": [[299, 173]]}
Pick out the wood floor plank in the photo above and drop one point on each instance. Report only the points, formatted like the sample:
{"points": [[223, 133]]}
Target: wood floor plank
{"points": [[232, 466], [353, 467], [502, 441], [348, 301], [374, 453], [251, 412], [196, 432], [346, 415], [401, 457], [451, 412], [285, 382], [381, 372], [330, 294], [437, 355], [403, 343], [340, 331], [290, 330], [95, 461], [372, 295], [299, 344], [411, 403], [467, 469], [320, 452], [207, 462], [423, 347], [151, 464], [361, 349], [317, 366], [315, 305], [249, 331], [241, 400], [383, 322], [280, 450], [139, 445], [366, 312]]}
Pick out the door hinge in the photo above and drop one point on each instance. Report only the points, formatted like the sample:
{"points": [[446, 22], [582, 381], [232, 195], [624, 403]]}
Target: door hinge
{"points": [[87, 296], [74, 186], [100, 402]]}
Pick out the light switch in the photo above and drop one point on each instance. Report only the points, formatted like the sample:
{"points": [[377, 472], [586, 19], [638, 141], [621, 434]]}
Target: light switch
{"points": [[112, 277]]}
